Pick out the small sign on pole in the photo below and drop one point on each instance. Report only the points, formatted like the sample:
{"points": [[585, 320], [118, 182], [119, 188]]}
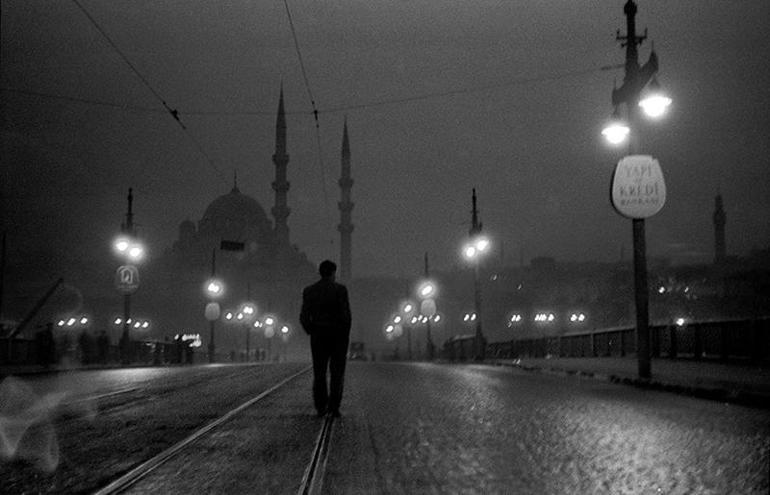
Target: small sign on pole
{"points": [[638, 188], [127, 279], [212, 311]]}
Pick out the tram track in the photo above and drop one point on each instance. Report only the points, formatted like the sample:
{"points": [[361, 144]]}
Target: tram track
{"points": [[312, 478]]}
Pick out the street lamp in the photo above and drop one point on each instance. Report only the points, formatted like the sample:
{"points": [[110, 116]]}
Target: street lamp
{"points": [[214, 290], [427, 293], [269, 322], [474, 250], [246, 315], [654, 104]]}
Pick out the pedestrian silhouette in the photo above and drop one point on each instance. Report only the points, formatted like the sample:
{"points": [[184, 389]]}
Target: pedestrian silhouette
{"points": [[325, 316]]}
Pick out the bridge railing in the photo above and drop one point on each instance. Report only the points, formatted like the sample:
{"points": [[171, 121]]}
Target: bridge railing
{"points": [[724, 340]]}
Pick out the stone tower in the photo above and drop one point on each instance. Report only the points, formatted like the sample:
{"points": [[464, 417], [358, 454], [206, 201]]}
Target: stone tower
{"points": [[346, 207], [281, 210]]}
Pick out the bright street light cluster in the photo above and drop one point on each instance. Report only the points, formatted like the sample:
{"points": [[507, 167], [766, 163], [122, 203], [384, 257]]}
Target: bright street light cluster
{"points": [[143, 324], [477, 246], [545, 317], [214, 288], [577, 317], [130, 248], [72, 321], [654, 104], [468, 317]]}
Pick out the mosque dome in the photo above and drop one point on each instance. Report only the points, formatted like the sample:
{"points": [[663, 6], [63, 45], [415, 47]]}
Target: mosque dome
{"points": [[235, 216]]}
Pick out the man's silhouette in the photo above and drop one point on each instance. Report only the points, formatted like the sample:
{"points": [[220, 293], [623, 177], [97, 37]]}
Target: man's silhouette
{"points": [[325, 316]]}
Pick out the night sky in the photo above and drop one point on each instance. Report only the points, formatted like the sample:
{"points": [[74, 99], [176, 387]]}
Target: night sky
{"points": [[505, 96]]}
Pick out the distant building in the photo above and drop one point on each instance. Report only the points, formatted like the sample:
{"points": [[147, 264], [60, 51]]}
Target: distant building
{"points": [[269, 271]]}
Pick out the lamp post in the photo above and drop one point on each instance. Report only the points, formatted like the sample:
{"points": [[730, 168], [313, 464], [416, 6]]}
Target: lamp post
{"points": [[474, 249], [127, 276], [214, 289], [246, 315], [407, 311], [269, 324], [427, 295], [654, 105]]}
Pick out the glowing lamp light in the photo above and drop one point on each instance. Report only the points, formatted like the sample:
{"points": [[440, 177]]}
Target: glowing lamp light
{"points": [[146, 324], [389, 329], [214, 288], [118, 321], [427, 290], [616, 132], [397, 319], [437, 318], [71, 322], [470, 252], [83, 320], [136, 252], [655, 103], [228, 316], [61, 323], [408, 308], [655, 106], [239, 316], [680, 322], [121, 244], [482, 244], [284, 329]]}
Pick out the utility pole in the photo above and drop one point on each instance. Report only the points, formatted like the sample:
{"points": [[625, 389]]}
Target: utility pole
{"points": [[212, 345], [636, 78], [475, 231], [429, 350], [125, 340]]}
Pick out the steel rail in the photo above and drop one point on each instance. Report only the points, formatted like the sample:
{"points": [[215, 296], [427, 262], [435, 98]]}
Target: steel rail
{"points": [[312, 480], [131, 477]]}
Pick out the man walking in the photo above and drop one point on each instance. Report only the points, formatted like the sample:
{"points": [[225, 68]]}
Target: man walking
{"points": [[325, 316]]}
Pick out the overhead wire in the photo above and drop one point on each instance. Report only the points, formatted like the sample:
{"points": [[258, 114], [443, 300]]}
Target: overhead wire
{"points": [[315, 113], [172, 111], [329, 110]]}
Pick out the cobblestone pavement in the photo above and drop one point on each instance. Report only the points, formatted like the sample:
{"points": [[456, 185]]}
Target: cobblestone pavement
{"points": [[423, 428]]}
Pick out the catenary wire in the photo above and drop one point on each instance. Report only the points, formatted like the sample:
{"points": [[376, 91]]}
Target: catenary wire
{"points": [[321, 165], [172, 111]]}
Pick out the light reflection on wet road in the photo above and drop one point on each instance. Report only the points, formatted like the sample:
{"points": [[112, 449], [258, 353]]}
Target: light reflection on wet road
{"points": [[479, 429]]}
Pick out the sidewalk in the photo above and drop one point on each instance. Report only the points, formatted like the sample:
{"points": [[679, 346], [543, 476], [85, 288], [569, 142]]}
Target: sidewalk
{"points": [[735, 383]]}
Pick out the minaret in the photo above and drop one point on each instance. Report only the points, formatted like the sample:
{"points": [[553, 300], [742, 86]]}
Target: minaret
{"points": [[346, 207], [281, 186], [719, 230]]}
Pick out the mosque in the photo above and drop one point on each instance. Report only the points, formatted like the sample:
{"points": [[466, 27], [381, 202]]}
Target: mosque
{"points": [[257, 262]]}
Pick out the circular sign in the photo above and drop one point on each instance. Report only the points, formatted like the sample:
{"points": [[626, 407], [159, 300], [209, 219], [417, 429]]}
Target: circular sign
{"points": [[428, 307], [127, 279], [212, 311], [638, 189]]}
